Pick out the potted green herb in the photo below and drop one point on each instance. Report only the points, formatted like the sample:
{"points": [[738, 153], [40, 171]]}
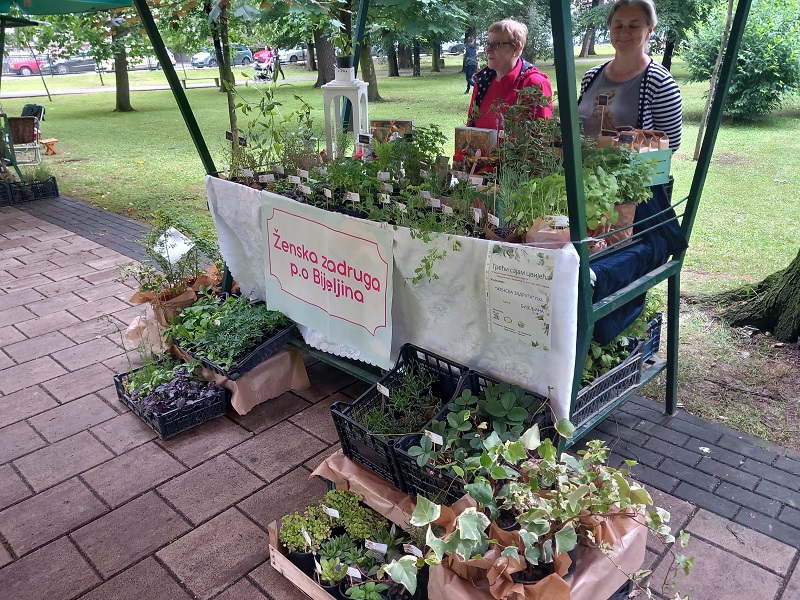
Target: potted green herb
{"points": [[331, 572], [303, 534], [342, 44], [369, 590]]}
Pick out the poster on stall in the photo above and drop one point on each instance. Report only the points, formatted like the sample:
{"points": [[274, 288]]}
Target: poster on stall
{"points": [[330, 272], [519, 293]]}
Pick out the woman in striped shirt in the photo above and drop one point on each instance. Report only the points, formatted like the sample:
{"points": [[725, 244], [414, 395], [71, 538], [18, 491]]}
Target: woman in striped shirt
{"points": [[632, 89]]}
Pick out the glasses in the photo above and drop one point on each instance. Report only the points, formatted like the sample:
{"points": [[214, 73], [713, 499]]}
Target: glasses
{"points": [[496, 45]]}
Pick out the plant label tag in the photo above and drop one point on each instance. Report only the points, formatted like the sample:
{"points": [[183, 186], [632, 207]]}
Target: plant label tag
{"points": [[476, 180], [435, 202], [322, 170], [448, 210], [294, 179], [412, 549], [382, 389], [384, 175], [494, 220], [477, 214], [354, 573], [317, 566], [328, 193], [402, 207], [353, 197], [279, 170], [247, 173], [423, 173], [385, 199], [306, 537], [460, 175], [331, 512], [266, 178], [306, 189], [434, 437], [426, 194], [303, 173], [173, 245], [388, 187], [557, 221], [377, 547]]}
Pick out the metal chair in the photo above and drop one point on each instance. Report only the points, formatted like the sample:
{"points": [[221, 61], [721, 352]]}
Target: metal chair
{"points": [[25, 137]]}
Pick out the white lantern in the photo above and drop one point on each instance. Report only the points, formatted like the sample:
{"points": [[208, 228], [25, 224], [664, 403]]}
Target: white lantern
{"points": [[344, 85]]}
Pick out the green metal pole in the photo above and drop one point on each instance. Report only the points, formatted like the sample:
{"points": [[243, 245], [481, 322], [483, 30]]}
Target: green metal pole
{"points": [[361, 26], [175, 85], [2, 47], [573, 171]]}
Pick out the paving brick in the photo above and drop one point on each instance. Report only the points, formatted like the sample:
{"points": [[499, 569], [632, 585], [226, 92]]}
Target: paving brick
{"points": [[49, 515], [122, 363], [275, 584], [242, 590], [29, 374], [92, 309], [201, 443], [23, 404], [788, 464], [294, 491], [13, 489], [785, 495], [792, 590], [769, 526], [35, 248], [104, 290], [132, 473], [618, 431], [10, 263], [663, 433], [210, 488], [640, 455], [217, 553], [19, 298], [770, 473], [72, 417], [748, 499], [675, 452], [79, 245], [24, 283], [11, 335], [267, 414], [24, 231], [55, 572], [53, 304], [277, 450], [106, 263], [728, 473], [737, 444], [129, 533], [101, 276], [715, 452], [14, 315], [47, 323], [721, 576], [38, 346], [79, 383], [680, 511], [62, 460], [317, 421], [31, 269], [706, 500], [61, 286], [18, 440], [355, 389], [123, 432], [325, 380], [130, 313], [5, 360], [86, 354], [790, 516], [689, 475], [61, 273], [5, 556], [17, 252], [313, 462], [146, 580]]}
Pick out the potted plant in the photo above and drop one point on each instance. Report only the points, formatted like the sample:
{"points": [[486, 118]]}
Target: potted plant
{"points": [[358, 520], [303, 534], [369, 590], [37, 183], [342, 45], [330, 573]]}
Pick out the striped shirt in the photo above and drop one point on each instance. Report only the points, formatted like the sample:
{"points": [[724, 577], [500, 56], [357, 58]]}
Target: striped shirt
{"points": [[659, 101]]}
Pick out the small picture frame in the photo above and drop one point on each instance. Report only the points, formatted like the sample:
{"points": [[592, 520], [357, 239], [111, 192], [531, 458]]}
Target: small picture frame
{"points": [[602, 99]]}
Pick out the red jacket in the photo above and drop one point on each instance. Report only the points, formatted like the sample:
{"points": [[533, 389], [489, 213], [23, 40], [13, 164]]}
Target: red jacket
{"points": [[506, 89]]}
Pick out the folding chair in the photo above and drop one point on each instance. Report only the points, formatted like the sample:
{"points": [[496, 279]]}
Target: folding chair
{"points": [[25, 137]]}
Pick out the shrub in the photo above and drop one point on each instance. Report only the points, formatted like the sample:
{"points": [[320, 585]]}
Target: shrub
{"points": [[768, 66]]}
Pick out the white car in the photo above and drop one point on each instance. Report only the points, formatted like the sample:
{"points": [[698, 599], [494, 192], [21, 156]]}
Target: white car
{"points": [[149, 62], [292, 56]]}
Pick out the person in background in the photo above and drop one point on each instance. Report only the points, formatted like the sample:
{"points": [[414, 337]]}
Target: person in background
{"points": [[276, 64], [470, 63], [631, 89], [506, 73], [268, 62]]}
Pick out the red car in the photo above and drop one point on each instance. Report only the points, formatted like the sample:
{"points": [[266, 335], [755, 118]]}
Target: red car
{"points": [[21, 64], [260, 55]]}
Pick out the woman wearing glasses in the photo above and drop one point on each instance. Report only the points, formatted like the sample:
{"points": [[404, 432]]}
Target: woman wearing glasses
{"points": [[507, 72]]}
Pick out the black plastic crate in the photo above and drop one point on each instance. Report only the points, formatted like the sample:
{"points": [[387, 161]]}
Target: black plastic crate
{"points": [[16, 192], [261, 353], [5, 194], [375, 452], [432, 482], [172, 422], [653, 340]]}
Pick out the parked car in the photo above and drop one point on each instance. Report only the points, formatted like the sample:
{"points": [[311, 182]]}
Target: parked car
{"points": [[454, 48], [148, 62], [240, 55], [260, 55], [292, 56], [80, 63], [21, 64]]}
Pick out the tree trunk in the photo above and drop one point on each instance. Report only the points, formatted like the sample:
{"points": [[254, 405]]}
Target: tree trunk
{"points": [[404, 56], [436, 55], [592, 51], [669, 50], [311, 61], [772, 305], [123, 99], [368, 73], [325, 60], [219, 54], [416, 72], [588, 41], [391, 56]]}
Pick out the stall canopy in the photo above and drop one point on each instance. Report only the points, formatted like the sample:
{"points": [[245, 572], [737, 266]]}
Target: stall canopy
{"points": [[62, 7]]}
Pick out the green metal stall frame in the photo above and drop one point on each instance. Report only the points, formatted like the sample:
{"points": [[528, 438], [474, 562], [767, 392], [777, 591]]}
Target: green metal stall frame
{"points": [[589, 312]]}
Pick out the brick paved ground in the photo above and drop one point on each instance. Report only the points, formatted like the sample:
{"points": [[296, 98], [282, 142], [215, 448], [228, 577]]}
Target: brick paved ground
{"points": [[93, 506]]}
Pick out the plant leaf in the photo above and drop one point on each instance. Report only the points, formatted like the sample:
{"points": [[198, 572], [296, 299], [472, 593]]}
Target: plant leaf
{"points": [[425, 512], [404, 571], [471, 524], [439, 547], [511, 552], [566, 539], [530, 439], [565, 428], [480, 491]]}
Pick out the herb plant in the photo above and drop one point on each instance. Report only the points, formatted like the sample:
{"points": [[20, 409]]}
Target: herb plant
{"points": [[369, 590], [313, 521], [331, 571]]}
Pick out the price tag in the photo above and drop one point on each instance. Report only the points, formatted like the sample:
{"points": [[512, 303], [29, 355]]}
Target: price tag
{"points": [[385, 198], [426, 194], [557, 221], [306, 189], [494, 220], [353, 197], [306, 537], [448, 210], [302, 173], [322, 170], [412, 549], [382, 389], [331, 512], [317, 566], [294, 179], [384, 175], [266, 177], [477, 214], [247, 173], [460, 175], [423, 173], [328, 193], [354, 573], [377, 547], [279, 170], [435, 202], [434, 437], [402, 207], [388, 187], [476, 180]]}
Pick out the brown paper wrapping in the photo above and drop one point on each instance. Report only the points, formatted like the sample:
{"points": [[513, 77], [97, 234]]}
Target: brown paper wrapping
{"points": [[626, 212], [164, 310], [541, 235]]}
